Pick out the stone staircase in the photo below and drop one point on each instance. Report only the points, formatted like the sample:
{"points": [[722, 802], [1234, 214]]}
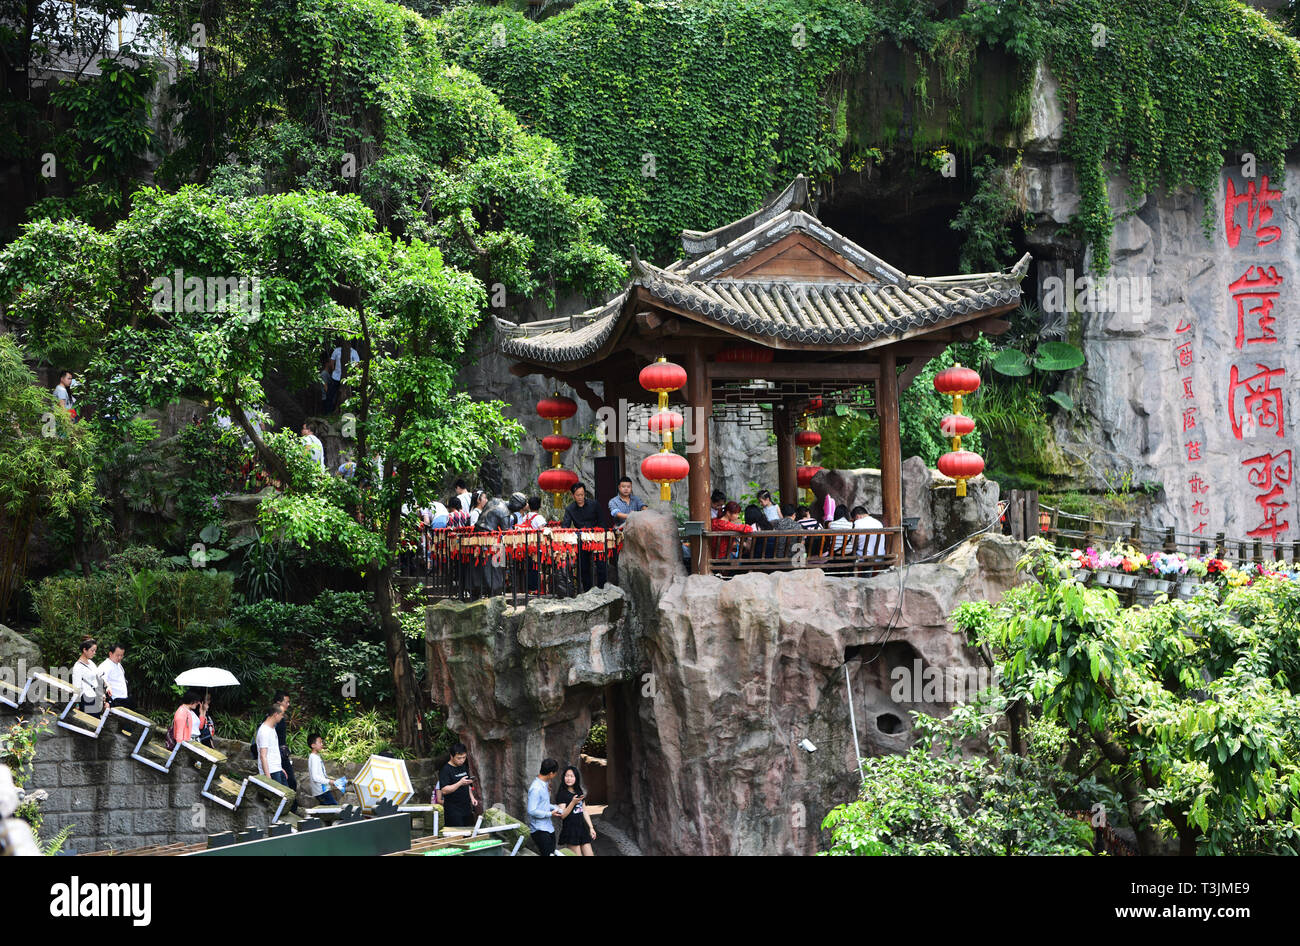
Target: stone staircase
{"points": [[113, 777]]}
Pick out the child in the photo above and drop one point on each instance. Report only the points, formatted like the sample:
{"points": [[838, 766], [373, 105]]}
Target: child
{"points": [[320, 782]]}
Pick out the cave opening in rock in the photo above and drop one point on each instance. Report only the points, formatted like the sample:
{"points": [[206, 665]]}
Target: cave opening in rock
{"points": [[889, 724]]}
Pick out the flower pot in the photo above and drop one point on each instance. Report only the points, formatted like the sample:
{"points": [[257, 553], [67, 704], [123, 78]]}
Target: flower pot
{"points": [[1081, 575], [1188, 586], [1155, 586]]}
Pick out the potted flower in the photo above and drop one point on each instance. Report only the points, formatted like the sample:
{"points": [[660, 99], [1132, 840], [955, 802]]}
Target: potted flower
{"points": [[1113, 571], [1082, 564], [1160, 566], [1196, 570]]}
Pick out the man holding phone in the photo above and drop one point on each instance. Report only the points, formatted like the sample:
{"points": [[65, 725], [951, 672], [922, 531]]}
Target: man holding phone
{"points": [[457, 787]]}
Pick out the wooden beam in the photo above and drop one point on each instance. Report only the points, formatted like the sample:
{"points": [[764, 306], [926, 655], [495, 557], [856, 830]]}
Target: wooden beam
{"points": [[783, 426], [795, 371], [917, 365], [891, 451], [699, 398]]}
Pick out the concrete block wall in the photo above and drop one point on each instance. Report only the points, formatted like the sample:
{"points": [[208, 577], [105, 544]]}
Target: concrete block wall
{"points": [[115, 802]]}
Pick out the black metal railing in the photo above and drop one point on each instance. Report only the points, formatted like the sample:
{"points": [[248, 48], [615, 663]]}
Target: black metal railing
{"points": [[835, 551]]}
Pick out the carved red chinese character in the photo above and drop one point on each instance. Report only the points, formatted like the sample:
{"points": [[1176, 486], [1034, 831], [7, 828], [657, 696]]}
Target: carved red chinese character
{"points": [[1250, 287], [1259, 401], [1200, 528], [1187, 389], [1189, 418], [1198, 508], [1193, 449], [1183, 327], [1198, 485], [1185, 357], [1258, 212], [1270, 474]]}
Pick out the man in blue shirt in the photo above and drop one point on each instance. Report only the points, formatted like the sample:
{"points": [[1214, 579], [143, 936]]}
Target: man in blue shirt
{"points": [[540, 809], [624, 504]]}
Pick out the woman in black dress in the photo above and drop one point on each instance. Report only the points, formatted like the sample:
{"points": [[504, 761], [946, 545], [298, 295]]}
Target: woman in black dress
{"points": [[576, 832]]}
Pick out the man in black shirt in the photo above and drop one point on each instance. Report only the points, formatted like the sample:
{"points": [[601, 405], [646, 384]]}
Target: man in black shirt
{"points": [[582, 514], [457, 787]]}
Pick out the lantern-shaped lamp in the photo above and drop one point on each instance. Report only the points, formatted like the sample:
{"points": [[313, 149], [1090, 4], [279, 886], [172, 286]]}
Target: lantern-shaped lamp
{"points": [[664, 467], [805, 476], [807, 439], [556, 480], [960, 464]]}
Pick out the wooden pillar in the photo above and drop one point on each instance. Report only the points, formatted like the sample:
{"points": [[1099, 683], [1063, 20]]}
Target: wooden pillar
{"points": [[891, 449], [614, 445], [783, 425], [699, 401]]}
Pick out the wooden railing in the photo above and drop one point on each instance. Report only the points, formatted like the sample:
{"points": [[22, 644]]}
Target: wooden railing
{"points": [[1071, 530], [835, 551]]}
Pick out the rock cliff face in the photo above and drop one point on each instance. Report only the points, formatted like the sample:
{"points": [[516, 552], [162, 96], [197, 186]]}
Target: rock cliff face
{"points": [[710, 685], [1191, 354]]}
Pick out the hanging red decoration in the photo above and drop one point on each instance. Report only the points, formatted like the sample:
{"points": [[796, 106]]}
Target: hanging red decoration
{"points": [[556, 480], [664, 467], [961, 465], [957, 381], [806, 474], [751, 354], [662, 376], [814, 404], [956, 425], [807, 439], [662, 421], [555, 407]]}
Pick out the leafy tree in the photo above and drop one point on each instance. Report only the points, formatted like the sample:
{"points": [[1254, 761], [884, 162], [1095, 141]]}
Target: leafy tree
{"points": [[46, 459], [321, 267], [1191, 705], [935, 800], [353, 96]]}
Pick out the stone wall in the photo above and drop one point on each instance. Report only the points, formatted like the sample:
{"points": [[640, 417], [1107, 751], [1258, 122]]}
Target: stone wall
{"points": [[113, 801], [708, 685]]}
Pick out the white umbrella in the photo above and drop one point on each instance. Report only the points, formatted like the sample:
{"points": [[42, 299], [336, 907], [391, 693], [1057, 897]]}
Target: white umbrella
{"points": [[207, 677], [382, 777]]}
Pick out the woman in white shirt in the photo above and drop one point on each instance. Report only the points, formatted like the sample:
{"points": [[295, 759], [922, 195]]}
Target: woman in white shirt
{"points": [[85, 677]]}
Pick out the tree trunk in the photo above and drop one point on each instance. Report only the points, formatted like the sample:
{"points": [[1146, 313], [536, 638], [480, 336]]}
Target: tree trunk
{"points": [[409, 698]]}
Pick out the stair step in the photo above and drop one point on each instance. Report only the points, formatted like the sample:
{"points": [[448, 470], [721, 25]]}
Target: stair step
{"points": [[82, 722], [225, 785], [155, 751]]}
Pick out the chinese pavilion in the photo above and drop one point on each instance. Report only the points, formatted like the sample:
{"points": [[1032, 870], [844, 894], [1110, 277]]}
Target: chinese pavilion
{"points": [[774, 310]]}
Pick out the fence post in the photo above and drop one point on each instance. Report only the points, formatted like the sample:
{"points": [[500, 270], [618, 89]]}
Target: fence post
{"points": [[1032, 514], [1171, 541], [1241, 553], [1220, 545], [1295, 553], [1135, 535], [1259, 550]]}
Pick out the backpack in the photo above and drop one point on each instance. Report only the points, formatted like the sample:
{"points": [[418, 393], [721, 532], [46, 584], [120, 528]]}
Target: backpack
{"points": [[170, 740], [252, 746]]}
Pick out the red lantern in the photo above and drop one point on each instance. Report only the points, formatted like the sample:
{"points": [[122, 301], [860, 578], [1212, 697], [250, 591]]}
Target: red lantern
{"points": [[664, 469], [956, 425], [957, 381], [814, 404], [662, 376], [961, 465], [557, 407], [556, 443], [661, 421], [806, 474], [556, 481], [751, 354], [807, 438]]}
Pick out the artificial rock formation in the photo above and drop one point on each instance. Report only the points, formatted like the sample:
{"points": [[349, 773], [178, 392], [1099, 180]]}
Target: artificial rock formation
{"points": [[709, 685]]}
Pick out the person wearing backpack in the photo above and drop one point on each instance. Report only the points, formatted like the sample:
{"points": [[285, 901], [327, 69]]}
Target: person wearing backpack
{"points": [[268, 746]]}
